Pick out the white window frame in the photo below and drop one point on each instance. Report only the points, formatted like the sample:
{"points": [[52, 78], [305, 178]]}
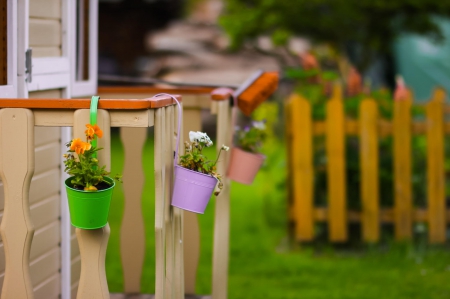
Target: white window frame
{"points": [[85, 87], [10, 89]]}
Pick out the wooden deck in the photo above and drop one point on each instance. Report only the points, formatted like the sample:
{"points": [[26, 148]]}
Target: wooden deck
{"points": [[148, 296]]}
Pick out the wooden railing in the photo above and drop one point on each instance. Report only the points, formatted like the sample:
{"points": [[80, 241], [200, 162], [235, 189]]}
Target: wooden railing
{"points": [[18, 117], [369, 128], [194, 101]]}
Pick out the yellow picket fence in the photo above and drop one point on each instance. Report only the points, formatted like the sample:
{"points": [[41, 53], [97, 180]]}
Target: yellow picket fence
{"points": [[369, 128]]}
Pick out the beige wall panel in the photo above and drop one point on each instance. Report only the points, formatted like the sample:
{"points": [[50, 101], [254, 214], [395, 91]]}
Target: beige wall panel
{"points": [[48, 156], [49, 9], [42, 213], [45, 182], [46, 135], [49, 289], [45, 211], [45, 94], [45, 266], [75, 270], [74, 248], [46, 52], [45, 33], [44, 185], [45, 239]]}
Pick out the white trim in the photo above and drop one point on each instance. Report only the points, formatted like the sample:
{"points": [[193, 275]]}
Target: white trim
{"points": [[86, 87], [49, 81], [50, 65], [66, 135], [23, 9]]}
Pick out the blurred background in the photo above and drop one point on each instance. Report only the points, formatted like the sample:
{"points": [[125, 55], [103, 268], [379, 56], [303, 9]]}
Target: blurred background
{"points": [[286, 242]]}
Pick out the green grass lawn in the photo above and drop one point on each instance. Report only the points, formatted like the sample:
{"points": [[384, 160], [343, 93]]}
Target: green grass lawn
{"points": [[261, 266]]}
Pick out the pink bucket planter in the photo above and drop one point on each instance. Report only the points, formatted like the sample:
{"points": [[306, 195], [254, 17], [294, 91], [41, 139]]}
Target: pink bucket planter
{"points": [[244, 166], [192, 190]]}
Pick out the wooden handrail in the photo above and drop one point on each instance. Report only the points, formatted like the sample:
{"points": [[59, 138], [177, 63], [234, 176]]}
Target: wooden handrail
{"points": [[217, 94], [107, 104], [153, 89]]}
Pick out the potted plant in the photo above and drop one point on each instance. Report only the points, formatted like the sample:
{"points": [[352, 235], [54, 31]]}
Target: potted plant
{"points": [[89, 188], [196, 177], [246, 158]]}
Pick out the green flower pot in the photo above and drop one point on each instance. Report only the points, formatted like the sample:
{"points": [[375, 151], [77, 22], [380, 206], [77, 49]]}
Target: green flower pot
{"points": [[89, 209]]}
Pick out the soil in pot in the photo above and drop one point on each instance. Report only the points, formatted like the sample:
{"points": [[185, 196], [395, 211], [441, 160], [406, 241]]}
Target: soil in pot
{"points": [[101, 186]]}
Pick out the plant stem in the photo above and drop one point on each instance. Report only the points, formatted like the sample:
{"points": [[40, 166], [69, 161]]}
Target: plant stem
{"points": [[217, 158]]}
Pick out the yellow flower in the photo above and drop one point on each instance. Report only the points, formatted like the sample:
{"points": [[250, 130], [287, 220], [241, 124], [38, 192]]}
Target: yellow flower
{"points": [[90, 188], [93, 130], [79, 146]]}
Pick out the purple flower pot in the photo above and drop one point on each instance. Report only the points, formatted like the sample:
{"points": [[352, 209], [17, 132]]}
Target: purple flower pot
{"points": [[192, 190]]}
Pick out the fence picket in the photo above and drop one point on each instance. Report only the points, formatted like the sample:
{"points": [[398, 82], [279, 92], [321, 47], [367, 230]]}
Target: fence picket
{"points": [[369, 170], [17, 159], [221, 249], [132, 235], [402, 169], [336, 177], [192, 121], [435, 168], [302, 168], [160, 237]]}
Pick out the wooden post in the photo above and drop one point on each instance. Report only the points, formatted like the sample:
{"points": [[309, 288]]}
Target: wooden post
{"points": [[160, 234], [132, 235], [93, 243], [168, 210], [222, 209], [302, 167], [368, 136], [435, 171], [335, 149], [16, 171], [178, 215], [192, 121], [402, 169]]}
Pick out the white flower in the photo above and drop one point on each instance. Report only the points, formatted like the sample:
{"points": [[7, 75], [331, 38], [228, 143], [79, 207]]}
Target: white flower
{"points": [[225, 148], [200, 137], [259, 125]]}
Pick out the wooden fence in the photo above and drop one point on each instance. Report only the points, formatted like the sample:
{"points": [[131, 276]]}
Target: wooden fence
{"points": [[369, 128]]}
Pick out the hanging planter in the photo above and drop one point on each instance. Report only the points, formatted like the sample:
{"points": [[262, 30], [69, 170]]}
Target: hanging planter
{"points": [[89, 189], [89, 209], [245, 160], [195, 176], [244, 166], [192, 190]]}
